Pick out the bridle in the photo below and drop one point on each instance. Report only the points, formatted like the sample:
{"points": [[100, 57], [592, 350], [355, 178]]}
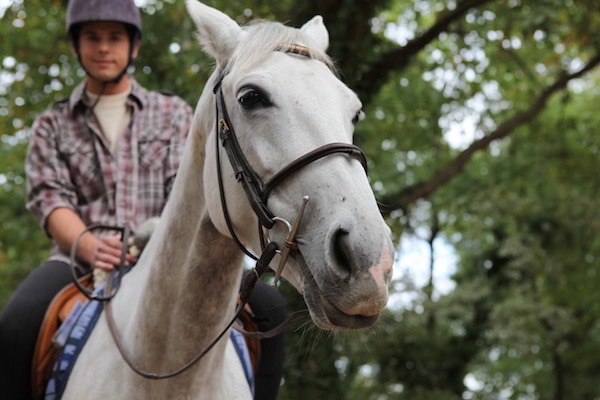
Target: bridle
{"points": [[257, 193]]}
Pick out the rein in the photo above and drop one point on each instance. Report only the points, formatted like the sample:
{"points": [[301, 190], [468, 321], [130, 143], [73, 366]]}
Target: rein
{"points": [[257, 193], [110, 294], [244, 295], [261, 266]]}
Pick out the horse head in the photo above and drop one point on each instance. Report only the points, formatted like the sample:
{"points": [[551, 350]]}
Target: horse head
{"points": [[278, 90]]}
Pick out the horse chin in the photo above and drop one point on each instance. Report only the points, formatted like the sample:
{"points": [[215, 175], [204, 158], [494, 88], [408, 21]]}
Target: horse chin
{"points": [[323, 312], [328, 317]]}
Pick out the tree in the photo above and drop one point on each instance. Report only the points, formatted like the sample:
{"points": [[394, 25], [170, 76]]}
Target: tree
{"points": [[513, 80], [539, 257]]}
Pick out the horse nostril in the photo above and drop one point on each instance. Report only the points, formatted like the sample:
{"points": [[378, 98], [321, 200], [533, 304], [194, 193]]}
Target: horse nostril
{"points": [[340, 250]]}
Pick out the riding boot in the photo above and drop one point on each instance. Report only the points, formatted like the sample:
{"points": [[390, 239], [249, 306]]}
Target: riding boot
{"points": [[269, 308]]}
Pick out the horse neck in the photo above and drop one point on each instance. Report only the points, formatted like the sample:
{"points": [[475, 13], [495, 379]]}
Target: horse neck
{"points": [[188, 279]]}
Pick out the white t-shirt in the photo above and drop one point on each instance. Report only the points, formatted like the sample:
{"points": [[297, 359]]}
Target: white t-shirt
{"points": [[113, 115]]}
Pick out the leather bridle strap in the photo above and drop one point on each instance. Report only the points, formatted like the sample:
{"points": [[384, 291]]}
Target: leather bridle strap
{"points": [[301, 162], [244, 173], [257, 192]]}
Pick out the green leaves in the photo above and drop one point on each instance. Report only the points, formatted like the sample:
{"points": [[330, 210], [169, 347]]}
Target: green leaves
{"points": [[472, 132]]}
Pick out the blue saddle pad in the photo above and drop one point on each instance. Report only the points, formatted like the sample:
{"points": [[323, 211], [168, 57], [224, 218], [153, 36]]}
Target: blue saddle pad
{"points": [[75, 331]]}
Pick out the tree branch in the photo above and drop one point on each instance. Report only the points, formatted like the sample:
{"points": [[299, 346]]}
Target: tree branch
{"points": [[398, 58], [456, 166]]}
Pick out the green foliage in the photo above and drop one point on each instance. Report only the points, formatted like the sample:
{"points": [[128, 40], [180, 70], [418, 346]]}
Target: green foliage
{"points": [[22, 244], [435, 77], [531, 231]]}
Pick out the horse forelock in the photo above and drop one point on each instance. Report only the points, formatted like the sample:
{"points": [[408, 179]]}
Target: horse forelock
{"points": [[266, 37]]}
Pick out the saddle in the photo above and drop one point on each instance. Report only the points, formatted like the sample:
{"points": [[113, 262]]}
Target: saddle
{"points": [[46, 353]]}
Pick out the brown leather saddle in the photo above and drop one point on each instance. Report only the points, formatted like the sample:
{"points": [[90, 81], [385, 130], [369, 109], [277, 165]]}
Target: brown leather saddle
{"points": [[46, 354]]}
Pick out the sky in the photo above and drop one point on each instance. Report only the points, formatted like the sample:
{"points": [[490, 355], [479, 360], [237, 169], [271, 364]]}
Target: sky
{"points": [[412, 264]]}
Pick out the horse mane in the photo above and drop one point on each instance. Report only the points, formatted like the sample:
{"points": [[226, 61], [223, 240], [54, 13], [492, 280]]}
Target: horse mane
{"points": [[264, 37]]}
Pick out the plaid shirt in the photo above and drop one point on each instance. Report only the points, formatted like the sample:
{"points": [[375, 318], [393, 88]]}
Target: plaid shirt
{"points": [[69, 162]]}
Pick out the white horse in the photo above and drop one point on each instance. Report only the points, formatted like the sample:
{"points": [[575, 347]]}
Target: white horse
{"points": [[284, 101]]}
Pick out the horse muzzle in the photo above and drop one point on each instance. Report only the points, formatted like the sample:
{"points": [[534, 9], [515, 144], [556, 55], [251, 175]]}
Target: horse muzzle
{"points": [[350, 289]]}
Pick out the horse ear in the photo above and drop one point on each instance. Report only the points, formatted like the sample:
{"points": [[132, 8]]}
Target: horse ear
{"points": [[316, 30], [218, 34]]}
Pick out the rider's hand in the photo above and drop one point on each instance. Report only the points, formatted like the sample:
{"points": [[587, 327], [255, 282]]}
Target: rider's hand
{"points": [[107, 253]]}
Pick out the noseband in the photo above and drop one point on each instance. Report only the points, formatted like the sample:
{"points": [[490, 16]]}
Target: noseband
{"points": [[256, 191]]}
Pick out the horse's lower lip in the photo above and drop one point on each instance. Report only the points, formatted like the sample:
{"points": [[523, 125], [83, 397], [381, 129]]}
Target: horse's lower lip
{"points": [[341, 320], [327, 316], [324, 313]]}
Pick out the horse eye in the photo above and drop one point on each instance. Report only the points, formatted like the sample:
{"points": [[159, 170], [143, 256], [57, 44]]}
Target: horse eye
{"points": [[252, 99], [359, 116]]}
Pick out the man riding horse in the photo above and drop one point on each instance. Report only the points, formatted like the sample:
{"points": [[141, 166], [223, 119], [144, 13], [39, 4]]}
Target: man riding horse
{"points": [[108, 154]]}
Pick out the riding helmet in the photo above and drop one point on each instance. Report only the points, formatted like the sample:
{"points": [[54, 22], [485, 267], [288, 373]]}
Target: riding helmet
{"points": [[124, 11]]}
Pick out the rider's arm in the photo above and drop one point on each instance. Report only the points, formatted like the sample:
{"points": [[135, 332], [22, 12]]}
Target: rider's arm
{"points": [[49, 184], [64, 225]]}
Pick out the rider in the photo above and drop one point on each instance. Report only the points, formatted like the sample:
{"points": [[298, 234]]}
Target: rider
{"points": [[108, 154]]}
